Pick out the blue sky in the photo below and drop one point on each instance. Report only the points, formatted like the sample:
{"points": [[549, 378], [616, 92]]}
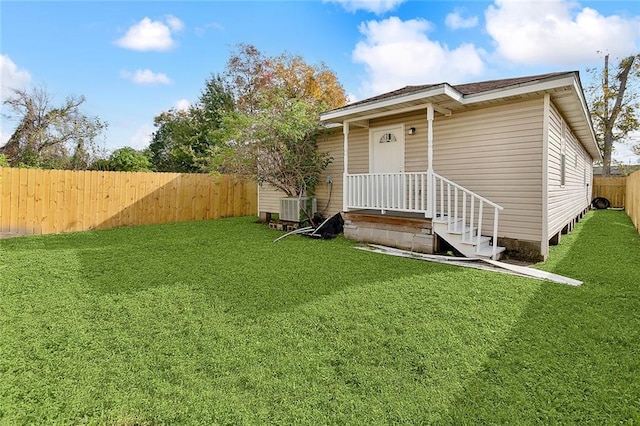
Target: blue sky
{"points": [[134, 59]]}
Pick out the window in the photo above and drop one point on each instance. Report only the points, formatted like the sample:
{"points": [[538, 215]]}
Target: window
{"points": [[563, 170], [388, 137]]}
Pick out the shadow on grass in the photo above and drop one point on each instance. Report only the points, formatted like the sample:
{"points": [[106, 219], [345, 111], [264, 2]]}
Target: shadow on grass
{"points": [[234, 262], [574, 356]]}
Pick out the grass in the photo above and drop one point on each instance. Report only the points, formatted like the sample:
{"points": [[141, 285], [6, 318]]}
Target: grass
{"points": [[212, 323]]}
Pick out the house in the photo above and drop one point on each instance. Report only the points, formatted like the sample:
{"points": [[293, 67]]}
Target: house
{"points": [[483, 168]]}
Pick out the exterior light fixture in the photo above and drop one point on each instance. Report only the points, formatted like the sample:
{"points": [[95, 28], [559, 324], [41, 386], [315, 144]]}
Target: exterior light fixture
{"points": [[412, 130]]}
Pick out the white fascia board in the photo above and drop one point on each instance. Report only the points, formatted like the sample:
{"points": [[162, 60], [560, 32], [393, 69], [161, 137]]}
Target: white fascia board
{"points": [[384, 103], [362, 121], [453, 93], [587, 117], [326, 126], [519, 90]]}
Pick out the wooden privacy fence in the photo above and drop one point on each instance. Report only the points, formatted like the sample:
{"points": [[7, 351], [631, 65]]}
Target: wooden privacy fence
{"points": [[612, 188], [36, 201], [633, 198]]}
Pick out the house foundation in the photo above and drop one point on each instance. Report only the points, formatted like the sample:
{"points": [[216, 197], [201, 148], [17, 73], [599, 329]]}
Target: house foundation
{"points": [[404, 231]]}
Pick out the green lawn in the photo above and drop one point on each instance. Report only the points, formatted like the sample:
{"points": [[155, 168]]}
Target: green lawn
{"points": [[212, 323]]}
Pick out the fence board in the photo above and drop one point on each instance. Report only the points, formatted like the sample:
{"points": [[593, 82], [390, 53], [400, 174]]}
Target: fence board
{"points": [[5, 202], [52, 201], [633, 199], [612, 188]]}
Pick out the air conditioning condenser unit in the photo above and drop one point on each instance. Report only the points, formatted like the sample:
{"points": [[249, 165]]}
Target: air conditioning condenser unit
{"points": [[292, 209]]}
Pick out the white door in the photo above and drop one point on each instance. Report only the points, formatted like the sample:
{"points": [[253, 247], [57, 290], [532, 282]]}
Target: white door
{"points": [[387, 150], [386, 155]]}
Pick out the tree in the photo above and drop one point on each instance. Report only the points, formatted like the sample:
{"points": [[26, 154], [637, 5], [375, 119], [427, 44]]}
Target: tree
{"points": [[128, 159], [313, 83], [251, 76], [50, 137], [278, 146], [184, 139], [169, 148], [273, 135], [247, 75], [614, 104]]}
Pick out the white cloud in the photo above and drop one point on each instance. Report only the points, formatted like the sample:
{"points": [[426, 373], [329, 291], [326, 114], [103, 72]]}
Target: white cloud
{"points": [[4, 137], [375, 6], [200, 31], [12, 77], [174, 23], [558, 32], [151, 35], [623, 151], [182, 105], [145, 77], [142, 137], [397, 53], [455, 21]]}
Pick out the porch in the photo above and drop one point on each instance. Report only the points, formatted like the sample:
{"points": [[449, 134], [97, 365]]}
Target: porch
{"points": [[405, 210], [466, 220]]}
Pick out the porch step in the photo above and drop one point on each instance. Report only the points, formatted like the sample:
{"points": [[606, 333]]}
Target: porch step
{"points": [[487, 251], [465, 240]]}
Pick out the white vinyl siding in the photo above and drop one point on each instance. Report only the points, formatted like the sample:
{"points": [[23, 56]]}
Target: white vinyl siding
{"points": [[269, 198], [333, 143], [567, 199], [358, 149], [497, 153]]}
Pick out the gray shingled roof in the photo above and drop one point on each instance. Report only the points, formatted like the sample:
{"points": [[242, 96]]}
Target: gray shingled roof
{"points": [[465, 89]]}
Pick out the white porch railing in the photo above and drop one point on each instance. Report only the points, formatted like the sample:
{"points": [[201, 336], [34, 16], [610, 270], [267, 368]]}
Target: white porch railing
{"points": [[463, 210], [405, 192]]}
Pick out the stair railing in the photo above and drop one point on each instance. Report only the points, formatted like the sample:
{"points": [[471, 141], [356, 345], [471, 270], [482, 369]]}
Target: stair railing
{"points": [[458, 205]]}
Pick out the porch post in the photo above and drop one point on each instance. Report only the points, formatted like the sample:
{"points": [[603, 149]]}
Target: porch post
{"points": [[345, 168], [431, 193]]}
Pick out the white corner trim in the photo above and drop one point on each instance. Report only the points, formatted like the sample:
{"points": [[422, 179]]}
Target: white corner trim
{"points": [[544, 241]]}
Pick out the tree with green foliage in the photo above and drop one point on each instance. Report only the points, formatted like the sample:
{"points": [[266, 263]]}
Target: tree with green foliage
{"points": [[277, 145], [128, 159], [184, 139], [614, 104], [273, 135], [51, 137]]}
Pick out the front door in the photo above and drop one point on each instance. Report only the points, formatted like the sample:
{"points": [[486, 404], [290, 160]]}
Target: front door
{"points": [[386, 158], [387, 150]]}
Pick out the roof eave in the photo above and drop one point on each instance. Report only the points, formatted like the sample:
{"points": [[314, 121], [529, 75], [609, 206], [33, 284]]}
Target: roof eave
{"points": [[354, 112]]}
